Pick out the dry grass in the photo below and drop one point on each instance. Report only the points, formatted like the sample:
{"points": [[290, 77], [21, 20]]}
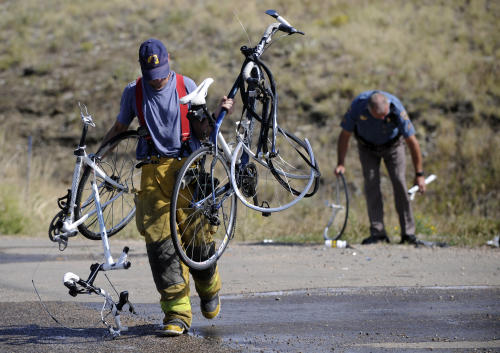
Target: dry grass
{"points": [[442, 59]]}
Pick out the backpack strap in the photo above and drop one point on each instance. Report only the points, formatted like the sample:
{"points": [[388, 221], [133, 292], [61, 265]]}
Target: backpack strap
{"points": [[181, 91], [138, 105]]}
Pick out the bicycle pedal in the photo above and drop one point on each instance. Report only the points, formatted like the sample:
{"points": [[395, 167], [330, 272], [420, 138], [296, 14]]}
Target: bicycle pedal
{"points": [[131, 308], [63, 242], [73, 290], [123, 300]]}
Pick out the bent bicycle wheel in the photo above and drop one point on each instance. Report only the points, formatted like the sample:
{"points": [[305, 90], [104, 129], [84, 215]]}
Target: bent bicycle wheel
{"points": [[202, 209], [340, 210], [117, 158], [271, 183]]}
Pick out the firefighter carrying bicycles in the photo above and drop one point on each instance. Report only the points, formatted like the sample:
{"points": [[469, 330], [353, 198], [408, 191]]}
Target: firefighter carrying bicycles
{"points": [[154, 99]]}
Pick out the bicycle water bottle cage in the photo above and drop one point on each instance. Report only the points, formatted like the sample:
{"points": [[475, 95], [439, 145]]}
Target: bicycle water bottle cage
{"points": [[197, 97], [63, 202]]}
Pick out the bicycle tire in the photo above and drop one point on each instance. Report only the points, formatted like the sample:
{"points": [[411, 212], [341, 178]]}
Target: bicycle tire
{"points": [[117, 158], [340, 210], [201, 228]]}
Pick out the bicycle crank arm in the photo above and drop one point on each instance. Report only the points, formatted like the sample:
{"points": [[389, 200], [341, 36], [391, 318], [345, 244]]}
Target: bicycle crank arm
{"points": [[124, 300]]}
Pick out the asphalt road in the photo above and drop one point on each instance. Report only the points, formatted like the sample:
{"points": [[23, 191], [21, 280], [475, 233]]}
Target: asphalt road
{"points": [[280, 303]]}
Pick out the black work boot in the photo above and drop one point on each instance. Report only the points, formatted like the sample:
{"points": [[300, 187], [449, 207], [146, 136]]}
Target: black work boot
{"points": [[376, 237], [409, 238]]}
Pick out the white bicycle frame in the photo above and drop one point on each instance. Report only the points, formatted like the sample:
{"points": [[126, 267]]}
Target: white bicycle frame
{"points": [[70, 228]]}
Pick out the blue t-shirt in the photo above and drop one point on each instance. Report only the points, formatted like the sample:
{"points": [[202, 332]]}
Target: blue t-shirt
{"points": [[377, 131], [162, 116]]}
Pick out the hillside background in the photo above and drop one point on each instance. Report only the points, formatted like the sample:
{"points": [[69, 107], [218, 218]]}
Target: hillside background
{"points": [[441, 58]]}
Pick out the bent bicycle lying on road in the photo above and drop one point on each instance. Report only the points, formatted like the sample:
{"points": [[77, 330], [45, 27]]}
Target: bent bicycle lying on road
{"points": [[98, 205]]}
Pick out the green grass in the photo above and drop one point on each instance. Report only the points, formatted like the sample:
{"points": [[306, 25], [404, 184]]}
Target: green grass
{"points": [[12, 218], [441, 58]]}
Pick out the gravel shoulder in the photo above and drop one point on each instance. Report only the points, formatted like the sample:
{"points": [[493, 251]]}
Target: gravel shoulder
{"points": [[250, 268]]}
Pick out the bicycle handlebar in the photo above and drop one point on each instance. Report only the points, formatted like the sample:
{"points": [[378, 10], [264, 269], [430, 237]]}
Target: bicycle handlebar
{"points": [[287, 27], [281, 25], [85, 116]]}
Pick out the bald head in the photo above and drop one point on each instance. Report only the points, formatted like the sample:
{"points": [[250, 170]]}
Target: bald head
{"points": [[378, 105]]}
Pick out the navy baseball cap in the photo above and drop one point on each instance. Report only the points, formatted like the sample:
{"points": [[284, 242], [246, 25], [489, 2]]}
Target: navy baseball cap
{"points": [[153, 57]]}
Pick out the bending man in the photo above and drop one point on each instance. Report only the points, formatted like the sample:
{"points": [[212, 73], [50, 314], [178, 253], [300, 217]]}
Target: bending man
{"points": [[380, 124]]}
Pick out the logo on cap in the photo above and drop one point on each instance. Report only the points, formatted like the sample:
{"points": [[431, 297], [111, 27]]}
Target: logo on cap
{"points": [[153, 58]]}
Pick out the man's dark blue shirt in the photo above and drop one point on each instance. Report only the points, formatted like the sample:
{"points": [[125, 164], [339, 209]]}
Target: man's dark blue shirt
{"points": [[377, 131]]}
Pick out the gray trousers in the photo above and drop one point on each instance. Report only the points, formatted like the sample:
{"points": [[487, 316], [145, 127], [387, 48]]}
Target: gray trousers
{"points": [[395, 162]]}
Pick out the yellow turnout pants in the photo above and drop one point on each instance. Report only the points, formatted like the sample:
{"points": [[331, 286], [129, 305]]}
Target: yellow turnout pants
{"points": [[170, 274]]}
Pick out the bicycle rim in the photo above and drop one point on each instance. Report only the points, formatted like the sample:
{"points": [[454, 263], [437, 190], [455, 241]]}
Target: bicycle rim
{"points": [[203, 209], [340, 210], [117, 159]]}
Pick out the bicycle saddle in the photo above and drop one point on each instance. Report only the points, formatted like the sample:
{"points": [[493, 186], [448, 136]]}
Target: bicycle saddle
{"points": [[197, 97]]}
